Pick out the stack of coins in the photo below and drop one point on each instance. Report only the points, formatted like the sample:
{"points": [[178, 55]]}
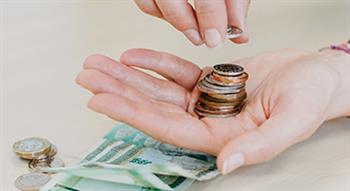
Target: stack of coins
{"points": [[222, 91], [40, 154]]}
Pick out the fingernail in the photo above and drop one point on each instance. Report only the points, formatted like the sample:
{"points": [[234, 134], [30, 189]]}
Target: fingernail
{"points": [[233, 162], [212, 38], [194, 36], [233, 32]]}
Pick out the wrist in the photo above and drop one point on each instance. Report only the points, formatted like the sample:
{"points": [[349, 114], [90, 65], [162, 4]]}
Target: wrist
{"points": [[340, 102]]}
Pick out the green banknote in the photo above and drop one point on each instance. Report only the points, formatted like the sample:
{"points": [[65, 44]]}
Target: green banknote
{"points": [[128, 157], [140, 150]]}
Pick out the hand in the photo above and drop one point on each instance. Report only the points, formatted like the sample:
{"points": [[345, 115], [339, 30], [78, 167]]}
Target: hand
{"points": [[206, 23], [290, 93]]}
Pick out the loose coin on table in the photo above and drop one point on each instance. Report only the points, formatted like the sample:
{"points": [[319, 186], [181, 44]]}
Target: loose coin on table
{"points": [[41, 156], [31, 148], [42, 165], [31, 181]]}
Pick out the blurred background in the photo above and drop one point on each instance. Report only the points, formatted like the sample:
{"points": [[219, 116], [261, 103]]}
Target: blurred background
{"points": [[44, 43]]}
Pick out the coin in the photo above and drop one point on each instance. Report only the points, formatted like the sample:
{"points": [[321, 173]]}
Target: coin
{"points": [[220, 110], [38, 165], [56, 163], [51, 153], [31, 148], [227, 80], [42, 165], [208, 100], [233, 32], [220, 115], [228, 69], [32, 181], [235, 82], [207, 87], [227, 97]]}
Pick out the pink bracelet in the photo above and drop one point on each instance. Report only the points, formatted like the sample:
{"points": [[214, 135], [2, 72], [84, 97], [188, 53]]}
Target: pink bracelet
{"points": [[342, 47]]}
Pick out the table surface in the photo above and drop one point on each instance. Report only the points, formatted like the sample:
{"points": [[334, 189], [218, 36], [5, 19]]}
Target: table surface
{"points": [[43, 45]]}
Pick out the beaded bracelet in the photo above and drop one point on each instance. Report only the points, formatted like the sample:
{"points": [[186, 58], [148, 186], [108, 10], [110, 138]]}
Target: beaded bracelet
{"points": [[342, 47]]}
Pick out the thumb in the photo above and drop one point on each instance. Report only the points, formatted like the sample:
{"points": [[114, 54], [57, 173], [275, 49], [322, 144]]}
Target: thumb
{"points": [[276, 134]]}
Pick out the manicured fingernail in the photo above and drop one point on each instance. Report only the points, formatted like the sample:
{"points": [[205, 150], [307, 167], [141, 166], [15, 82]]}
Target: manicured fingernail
{"points": [[194, 36], [233, 32], [212, 38], [233, 162]]}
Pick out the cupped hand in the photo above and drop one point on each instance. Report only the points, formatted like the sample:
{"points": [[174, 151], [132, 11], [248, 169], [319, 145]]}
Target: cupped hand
{"points": [[290, 93], [207, 22]]}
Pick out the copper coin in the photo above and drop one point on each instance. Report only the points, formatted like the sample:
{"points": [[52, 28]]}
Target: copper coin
{"points": [[226, 80], [204, 108], [220, 104], [227, 83], [203, 114]]}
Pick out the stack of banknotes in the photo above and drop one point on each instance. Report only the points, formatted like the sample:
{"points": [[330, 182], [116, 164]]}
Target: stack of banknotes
{"points": [[128, 160]]}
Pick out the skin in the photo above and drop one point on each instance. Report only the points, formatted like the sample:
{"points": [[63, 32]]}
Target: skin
{"points": [[290, 94], [204, 15]]}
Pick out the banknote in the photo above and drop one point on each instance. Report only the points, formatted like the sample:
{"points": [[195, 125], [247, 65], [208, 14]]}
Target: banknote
{"points": [[127, 146], [67, 182], [132, 154]]}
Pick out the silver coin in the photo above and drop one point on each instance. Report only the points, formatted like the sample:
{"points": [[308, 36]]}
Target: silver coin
{"points": [[233, 32], [38, 165], [32, 181], [228, 69], [206, 87], [42, 165], [56, 163]]}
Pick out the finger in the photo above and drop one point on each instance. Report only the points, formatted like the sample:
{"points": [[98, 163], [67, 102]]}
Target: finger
{"points": [[98, 82], [172, 67], [177, 129], [286, 127], [212, 20], [180, 14], [237, 12], [149, 7], [155, 88]]}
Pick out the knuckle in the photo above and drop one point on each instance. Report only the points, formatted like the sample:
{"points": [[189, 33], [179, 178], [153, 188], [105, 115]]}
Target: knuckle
{"points": [[176, 19], [205, 8]]}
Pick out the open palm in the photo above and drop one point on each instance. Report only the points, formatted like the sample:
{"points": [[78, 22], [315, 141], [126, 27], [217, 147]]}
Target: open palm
{"points": [[285, 104]]}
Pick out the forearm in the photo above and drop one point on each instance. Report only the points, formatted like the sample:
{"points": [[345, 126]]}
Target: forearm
{"points": [[340, 62]]}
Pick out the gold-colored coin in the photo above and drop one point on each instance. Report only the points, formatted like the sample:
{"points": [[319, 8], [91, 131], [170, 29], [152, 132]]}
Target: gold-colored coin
{"points": [[31, 148], [51, 153]]}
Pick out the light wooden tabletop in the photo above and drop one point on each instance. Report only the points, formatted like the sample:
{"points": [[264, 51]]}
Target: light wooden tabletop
{"points": [[43, 45]]}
